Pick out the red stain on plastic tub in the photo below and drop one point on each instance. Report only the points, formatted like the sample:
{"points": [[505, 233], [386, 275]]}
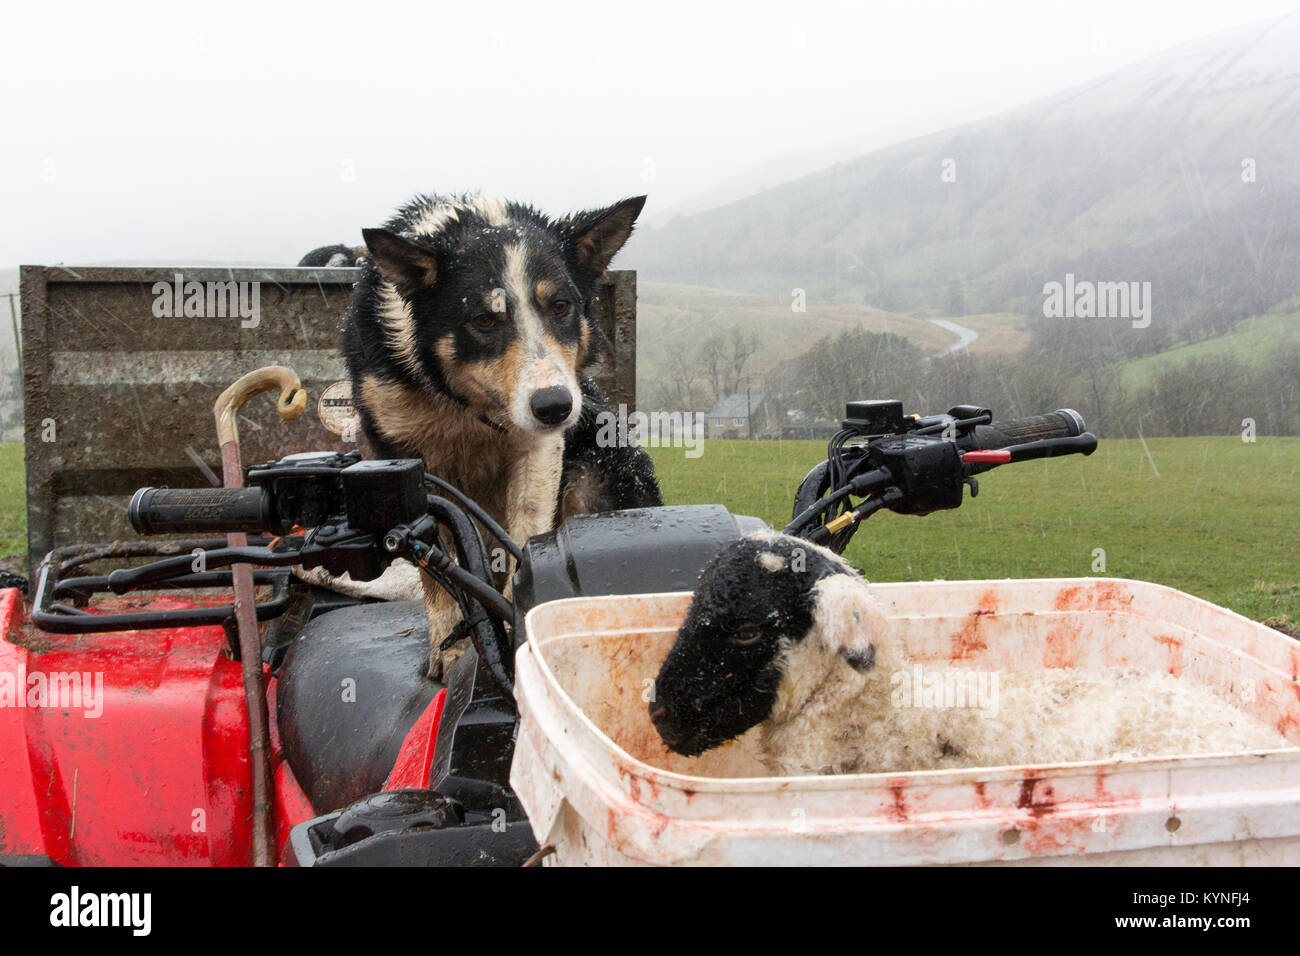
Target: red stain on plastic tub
{"points": [[969, 639], [899, 792], [1067, 599], [635, 783], [1043, 802], [1071, 834], [1062, 646], [623, 817], [1102, 596], [1175, 645]]}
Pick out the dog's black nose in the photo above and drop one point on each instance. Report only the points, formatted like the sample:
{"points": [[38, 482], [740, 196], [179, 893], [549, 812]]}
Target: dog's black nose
{"points": [[551, 406]]}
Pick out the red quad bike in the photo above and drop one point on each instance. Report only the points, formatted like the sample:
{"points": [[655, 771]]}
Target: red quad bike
{"points": [[129, 739]]}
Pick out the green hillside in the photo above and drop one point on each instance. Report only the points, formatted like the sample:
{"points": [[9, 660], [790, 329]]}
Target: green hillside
{"points": [[1252, 341]]}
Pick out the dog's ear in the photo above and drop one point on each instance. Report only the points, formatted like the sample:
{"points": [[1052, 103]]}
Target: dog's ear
{"points": [[849, 619], [406, 265], [593, 237]]}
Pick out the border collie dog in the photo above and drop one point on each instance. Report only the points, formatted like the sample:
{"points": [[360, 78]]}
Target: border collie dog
{"points": [[468, 342]]}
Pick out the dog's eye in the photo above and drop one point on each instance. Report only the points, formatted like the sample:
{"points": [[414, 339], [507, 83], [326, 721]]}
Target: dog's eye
{"points": [[485, 320], [746, 638], [559, 306]]}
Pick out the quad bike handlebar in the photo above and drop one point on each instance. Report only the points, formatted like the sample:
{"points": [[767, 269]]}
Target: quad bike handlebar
{"points": [[917, 465], [336, 512], [1062, 423]]}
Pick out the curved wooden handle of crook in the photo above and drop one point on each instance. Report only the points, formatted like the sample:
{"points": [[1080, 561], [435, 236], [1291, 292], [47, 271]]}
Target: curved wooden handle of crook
{"points": [[226, 409], [292, 401]]}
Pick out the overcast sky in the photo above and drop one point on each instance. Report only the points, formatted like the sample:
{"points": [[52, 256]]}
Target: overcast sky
{"points": [[255, 131]]}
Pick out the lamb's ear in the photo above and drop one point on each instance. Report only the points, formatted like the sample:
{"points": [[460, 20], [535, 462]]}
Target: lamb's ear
{"points": [[850, 619], [403, 263], [595, 236]]}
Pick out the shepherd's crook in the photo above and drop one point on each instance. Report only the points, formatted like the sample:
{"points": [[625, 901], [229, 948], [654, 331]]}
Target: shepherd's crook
{"points": [[290, 405]]}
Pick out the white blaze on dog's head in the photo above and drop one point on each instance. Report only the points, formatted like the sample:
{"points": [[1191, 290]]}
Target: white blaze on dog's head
{"points": [[492, 209], [434, 218], [546, 370]]}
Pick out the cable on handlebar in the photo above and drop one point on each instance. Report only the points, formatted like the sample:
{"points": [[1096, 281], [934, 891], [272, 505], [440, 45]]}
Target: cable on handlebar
{"points": [[859, 485], [477, 510], [474, 575]]}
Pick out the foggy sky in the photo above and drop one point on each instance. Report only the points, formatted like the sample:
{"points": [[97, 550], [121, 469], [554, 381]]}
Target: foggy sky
{"points": [[256, 131]]}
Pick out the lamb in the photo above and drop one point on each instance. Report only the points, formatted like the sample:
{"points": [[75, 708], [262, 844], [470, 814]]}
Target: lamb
{"points": [[786, 634]]}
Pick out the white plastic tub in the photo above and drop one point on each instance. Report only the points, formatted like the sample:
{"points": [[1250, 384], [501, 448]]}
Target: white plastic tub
{"points": [[599, 786]]}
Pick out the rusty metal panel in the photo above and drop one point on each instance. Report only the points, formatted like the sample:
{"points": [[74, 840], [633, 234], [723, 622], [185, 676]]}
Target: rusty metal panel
{"points": [[615, 307], [118, 396]]}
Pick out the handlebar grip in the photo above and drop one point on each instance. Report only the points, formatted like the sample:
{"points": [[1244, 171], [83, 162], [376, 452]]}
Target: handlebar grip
{"points": [[1062, 423], [201, 510]]}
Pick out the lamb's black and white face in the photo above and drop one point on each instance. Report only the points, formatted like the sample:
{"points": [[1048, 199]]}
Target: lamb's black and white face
{"points": [[486, 300], [755, 601]]}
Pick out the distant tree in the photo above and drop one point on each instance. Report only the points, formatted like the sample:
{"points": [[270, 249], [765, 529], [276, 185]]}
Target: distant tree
{"points": [[855, 364], [956, 300], [683, 391], [712, 359], [742, 345]]}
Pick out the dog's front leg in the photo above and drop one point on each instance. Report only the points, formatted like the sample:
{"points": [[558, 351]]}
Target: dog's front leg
{"points": [[534, 492], [533, 489], [442, 613]]}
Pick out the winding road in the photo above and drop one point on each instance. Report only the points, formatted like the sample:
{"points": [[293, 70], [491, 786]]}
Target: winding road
{"points": [[964, 335]]}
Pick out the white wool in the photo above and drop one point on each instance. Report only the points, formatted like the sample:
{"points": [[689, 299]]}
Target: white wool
{"points": [[832, 718], [399, 582]]}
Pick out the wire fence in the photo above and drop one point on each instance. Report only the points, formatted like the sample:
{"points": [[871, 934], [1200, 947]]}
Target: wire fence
{"points": [[11, 375]]}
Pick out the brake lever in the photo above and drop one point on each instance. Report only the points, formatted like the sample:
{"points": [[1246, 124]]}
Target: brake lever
{"points": [[1084, 444]]}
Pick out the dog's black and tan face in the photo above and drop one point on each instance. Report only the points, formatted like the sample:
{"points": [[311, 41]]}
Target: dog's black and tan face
{"points": [[486, 301]]}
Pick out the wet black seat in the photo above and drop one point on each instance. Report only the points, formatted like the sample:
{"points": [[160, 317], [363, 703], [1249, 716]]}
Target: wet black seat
{"points": [[350, 688]]}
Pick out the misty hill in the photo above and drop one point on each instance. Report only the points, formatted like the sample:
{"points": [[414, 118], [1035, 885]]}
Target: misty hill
{"points": [[1181, 170]]}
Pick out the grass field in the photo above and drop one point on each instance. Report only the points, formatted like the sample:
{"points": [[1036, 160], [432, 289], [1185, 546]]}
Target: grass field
{"points": [[1215, 517], [13, 506]]}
